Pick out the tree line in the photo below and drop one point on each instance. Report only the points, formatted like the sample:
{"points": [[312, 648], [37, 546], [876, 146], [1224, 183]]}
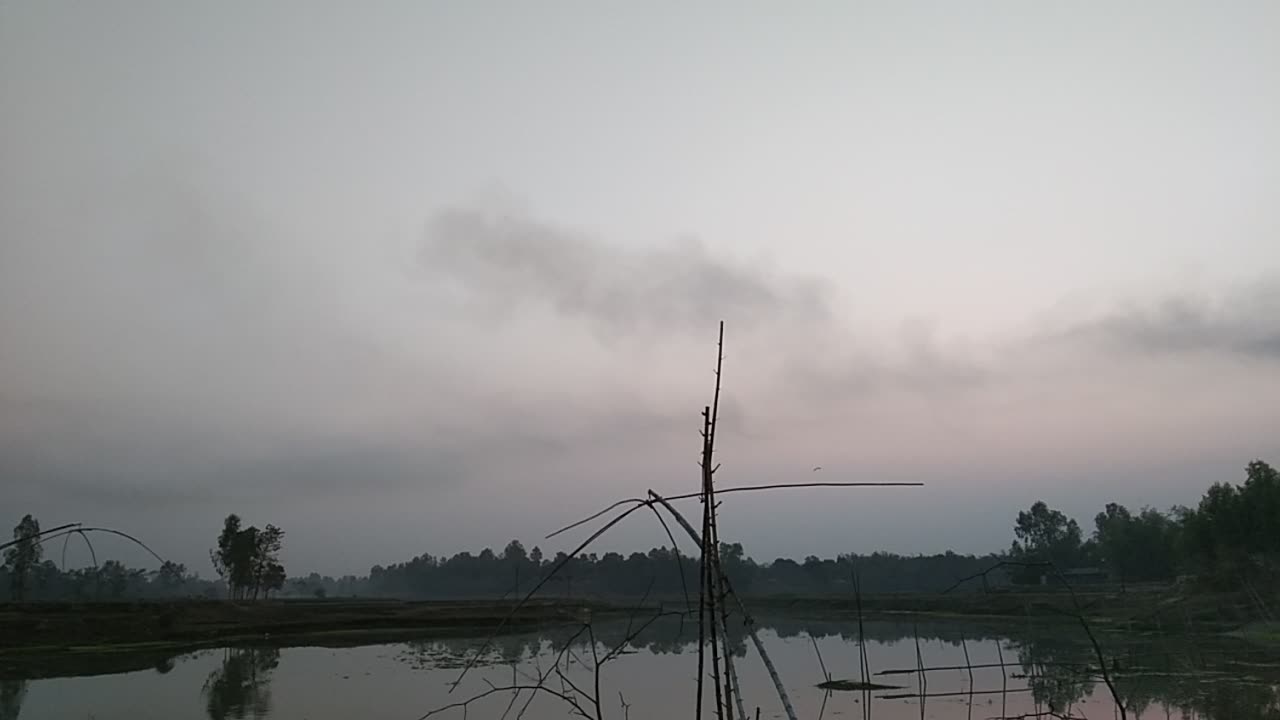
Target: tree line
{"points": [[1231, 537], [660, 572]]}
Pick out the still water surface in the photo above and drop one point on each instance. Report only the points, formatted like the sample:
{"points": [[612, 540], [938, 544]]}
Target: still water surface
{"points": [[1160, 676]]}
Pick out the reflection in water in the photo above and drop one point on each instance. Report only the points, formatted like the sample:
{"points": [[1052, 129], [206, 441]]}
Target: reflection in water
{"points": [[242, 684], [1051, 668], [1053, 665], [11, 694], [1161, 673]]}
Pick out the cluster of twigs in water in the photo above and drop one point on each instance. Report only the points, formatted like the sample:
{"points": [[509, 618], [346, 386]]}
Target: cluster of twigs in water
{"points": [[715, 592], [1077, 613]]}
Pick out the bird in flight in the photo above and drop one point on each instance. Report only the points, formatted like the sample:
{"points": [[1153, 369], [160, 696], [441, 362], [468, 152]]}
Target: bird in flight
{"points": [[816, 468]]}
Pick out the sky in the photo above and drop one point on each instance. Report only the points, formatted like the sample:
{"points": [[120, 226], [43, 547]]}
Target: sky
{"points": [[426, 277]]}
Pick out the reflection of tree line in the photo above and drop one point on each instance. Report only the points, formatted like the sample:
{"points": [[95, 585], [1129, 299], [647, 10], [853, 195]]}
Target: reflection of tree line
{"points": [[239, 687], [671, 635], [1168, 672], [1058, 667], [1055, 662]]}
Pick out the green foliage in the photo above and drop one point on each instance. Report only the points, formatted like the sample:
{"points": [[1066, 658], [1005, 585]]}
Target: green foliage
{"points": [[171, 575], [1231, 537], [1045, 535], [23, 556], [1141, 547], [663, 573], [1234, 533], [247, 558]]}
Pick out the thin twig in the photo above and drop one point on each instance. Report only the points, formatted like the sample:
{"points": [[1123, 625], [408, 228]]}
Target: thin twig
{"points": [[738, 489], [818, 652], [37, 537]]}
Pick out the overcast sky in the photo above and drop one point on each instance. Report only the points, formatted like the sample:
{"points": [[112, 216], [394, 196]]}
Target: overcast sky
{"points": [[423, 277]]}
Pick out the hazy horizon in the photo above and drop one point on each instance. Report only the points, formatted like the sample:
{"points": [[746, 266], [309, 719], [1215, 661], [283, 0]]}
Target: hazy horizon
{"points": [[411, 278]]}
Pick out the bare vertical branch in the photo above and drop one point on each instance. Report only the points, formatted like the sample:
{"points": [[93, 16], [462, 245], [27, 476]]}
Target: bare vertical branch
{"points": [[747, 620], [710, 569], [713, 571], [968, 664], [1004, 681], [818, 652], [863, 664], [702, 576], [922, 681]]}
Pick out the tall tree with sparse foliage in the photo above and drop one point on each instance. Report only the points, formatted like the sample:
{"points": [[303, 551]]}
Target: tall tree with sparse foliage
{"points": [[23, 556], [247, 558]]}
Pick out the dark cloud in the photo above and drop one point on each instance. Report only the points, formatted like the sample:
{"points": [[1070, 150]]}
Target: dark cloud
{"points": [[1244, 323], [512, 260]]}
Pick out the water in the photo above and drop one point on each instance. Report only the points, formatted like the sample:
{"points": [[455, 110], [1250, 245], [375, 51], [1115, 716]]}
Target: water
{"points": [[1159, 676]]}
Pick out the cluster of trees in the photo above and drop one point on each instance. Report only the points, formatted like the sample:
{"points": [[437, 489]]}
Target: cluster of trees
{"points": [[111, 580], [1232, 536], [247, 559], [30, 577], [662, 572]]}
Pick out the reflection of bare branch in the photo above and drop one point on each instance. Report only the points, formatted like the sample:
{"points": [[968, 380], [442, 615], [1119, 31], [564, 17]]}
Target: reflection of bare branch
{"points": [[1043, 714], [584, 700], [510, 688]]}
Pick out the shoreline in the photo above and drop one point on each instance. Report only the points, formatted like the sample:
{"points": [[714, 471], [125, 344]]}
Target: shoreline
{"points": [[105, 627]]}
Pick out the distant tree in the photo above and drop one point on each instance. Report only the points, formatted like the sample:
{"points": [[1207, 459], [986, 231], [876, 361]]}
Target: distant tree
{"points": [[1045, 535], [264, 560], [1114, 536], [273, 578], [247, 558], [113, 579], [535, 556], [221, 556], [1137, 547], [244, 547], [1234, 533], [24, 555], [171, 577], [515, 552]]}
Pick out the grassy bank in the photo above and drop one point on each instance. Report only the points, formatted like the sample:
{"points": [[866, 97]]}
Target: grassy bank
{"points": [[47, 627], [60, 627]]}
